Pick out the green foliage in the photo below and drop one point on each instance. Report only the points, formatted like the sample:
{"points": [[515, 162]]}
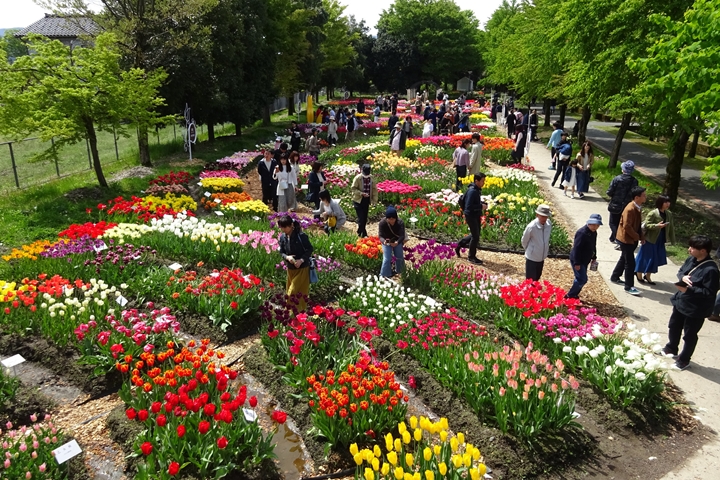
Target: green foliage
{"points": [[13, 46], [8, 387]]}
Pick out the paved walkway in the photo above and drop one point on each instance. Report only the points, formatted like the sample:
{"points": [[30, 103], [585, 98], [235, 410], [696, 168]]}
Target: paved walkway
{"points": [[651, 310], [653, 164]]}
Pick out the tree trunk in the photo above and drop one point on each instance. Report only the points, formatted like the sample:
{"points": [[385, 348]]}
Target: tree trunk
{"points": [[563, 109], [144, 147], [291, 105], [211, 131], [582, 131], [615, 154], [266, 116], [327, 93], [238, 129], [678, 142], [92, 140], [693, 145], [546, 109]]}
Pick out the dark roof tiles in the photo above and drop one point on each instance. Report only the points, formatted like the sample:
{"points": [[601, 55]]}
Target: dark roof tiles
{"points": [[54, 26]]}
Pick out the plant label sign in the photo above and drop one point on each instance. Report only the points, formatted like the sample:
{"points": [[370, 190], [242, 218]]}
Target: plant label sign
{"points": [[100, 248], [303, 187], [67, 451], [208, 194], [13, 361], [175, 266], [250, 415], [122, 301], [217, 200], [215, 274], [219, 213]]}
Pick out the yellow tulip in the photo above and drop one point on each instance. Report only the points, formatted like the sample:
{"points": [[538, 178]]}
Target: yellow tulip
{"points": [[416, 476], [427, 454], [443, 435], [413, 422], [392, 458], [437, 449], [425, 424], [402, 427], [398, 445], [482, 469], [442, 468], [474, 474], [353, 449], [467, 459], [389, 442], [375, 464], [475, 454], [399, 473], [429, 475], [358, 459], [369, 474], [406, 437], [417, 434], [454, 444], [444, 423], [385, 469], [461, 438], [368, 454], [409, 460], [457, 461], [376, 451]]}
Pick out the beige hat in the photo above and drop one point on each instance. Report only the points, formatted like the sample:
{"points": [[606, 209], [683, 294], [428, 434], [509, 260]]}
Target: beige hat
{"points": [[543, 210]]}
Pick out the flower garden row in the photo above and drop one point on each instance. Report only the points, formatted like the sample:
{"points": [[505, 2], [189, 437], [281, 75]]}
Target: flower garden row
{"points": [[118, 290]]}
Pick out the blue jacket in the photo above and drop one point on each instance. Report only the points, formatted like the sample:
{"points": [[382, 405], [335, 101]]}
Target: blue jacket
{"points": [[567, 174], [555, 138], [473, 201], [564, 149], [583, 250]]}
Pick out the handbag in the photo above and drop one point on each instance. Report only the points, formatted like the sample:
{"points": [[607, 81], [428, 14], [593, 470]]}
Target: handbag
{"points": [[332, 221], [283, 184], [311, 197]]}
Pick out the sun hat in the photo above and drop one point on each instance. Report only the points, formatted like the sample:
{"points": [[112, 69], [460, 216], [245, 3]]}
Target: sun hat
{"points": [[543, 210], [595, 219], [628, 167], [397, 125], [391, 212]]}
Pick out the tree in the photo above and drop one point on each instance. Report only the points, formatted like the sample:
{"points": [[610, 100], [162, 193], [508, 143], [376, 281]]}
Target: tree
{"points": [[356, 75], [395, 62], [13, 46], [70, 93], [337, 45]]}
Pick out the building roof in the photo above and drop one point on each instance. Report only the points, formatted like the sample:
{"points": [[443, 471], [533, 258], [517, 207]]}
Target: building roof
{"points": [[55, 26]]}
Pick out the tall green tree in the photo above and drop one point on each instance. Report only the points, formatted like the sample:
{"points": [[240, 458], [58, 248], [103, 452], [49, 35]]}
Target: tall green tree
{"points": [[70, 94], [13, 46], [395, 62], [337, 47]]}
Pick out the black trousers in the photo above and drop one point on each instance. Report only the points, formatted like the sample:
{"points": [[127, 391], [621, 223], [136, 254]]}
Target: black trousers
{"points": [[678, 324], [552, 156], [460, 172], [361, 209], [614, 224], [533, 270], [269, 194], [560, 166], [471, 241], [626, 264]]}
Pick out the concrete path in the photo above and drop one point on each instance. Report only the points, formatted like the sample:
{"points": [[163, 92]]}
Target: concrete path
{"points": [[653, 164], [651, 310]]}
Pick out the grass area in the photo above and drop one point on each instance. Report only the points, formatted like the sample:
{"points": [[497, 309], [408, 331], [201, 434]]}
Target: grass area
{"points": [[699, 162]]}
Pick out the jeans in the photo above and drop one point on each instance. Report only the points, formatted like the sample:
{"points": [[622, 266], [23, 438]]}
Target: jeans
{"points": [[614, 222], [361, 209], [471, 241], [460, 172], [678, 324], [626, 264], [583, 181], [581, 279], [388, 252], [560, 169], [533, 270]]}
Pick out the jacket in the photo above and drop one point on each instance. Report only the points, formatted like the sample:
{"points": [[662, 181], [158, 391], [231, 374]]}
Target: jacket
{"points": [[564, 149], [312, 144], [314, 185], [473, 201], [536, 240], [698, 301], [652, 232], [584, 247], [298, 245], [266, 175], [629, 230], [403, 138], [619, 192], [391, 234], [357, 189], [567, 174], [555, 138], [461, 158], [475, 158], [334, 210]]}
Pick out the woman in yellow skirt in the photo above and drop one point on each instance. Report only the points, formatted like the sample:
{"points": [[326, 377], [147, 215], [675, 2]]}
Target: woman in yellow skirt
{"points": [[296, 249]]}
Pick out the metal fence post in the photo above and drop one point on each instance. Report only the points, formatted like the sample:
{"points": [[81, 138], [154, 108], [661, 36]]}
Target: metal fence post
{"points": [[87, 144], [57, 167], [117, 155], [12, 159]]}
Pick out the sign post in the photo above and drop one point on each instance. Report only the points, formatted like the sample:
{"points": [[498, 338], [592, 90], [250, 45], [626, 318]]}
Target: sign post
{"points": [[190, 130]]}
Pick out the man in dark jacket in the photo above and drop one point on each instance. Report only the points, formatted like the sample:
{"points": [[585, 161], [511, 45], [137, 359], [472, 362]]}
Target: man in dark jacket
{"points": [[699, 280], [510, 122], [583, 252], [563, 152], [473, 210], [619, 193], [393, 120], [295, 137], [266, 168]]}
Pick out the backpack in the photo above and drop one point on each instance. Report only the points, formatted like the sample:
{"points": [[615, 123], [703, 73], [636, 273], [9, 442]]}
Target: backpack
{"points": [[461, 202]]}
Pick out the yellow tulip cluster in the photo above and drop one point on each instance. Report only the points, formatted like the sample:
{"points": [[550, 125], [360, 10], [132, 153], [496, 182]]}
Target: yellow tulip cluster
{"points": [[222, 184], [253, 206], [436, 456], [479, 117], [412, 142], [30, 251], [515, 201], [177, 203], [490, 182], [389, 160], [8, 291]]}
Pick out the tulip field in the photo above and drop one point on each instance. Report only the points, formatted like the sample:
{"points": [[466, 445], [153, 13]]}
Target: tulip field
{"points": [[448, 371]]}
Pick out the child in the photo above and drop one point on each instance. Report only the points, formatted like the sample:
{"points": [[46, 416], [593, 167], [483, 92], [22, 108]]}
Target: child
{"points": [[570, 178]]}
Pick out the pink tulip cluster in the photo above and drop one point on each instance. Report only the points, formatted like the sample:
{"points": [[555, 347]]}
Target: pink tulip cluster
{"points": [[219, 174], [266, 240], [576, 323], [394, 186], [238, 160]]}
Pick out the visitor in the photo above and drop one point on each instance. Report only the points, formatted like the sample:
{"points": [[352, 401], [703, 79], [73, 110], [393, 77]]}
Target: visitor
{"points": [[426, 112], [285, 188], [351, 126], [562, 154], [570, 178], [361, 106], [584, 251], [316, 184], [408, 127], [473, 211], [391, 231], [446, 124], [554, 141], [461, 161], [518, 152], [295, 249], [295, 136], [418, 103], [476, 161], [427, 129], [433, 116], [697, 286], [330, 212], [376, 114], [398, 140], [393, 120], [266, 169], [510, 123], [659, 229], [629, 233], [585, 160], [533, 123], [536, 242], [619, 193], [312, 144], [294, 159], [364, 193], [332, 137]]}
